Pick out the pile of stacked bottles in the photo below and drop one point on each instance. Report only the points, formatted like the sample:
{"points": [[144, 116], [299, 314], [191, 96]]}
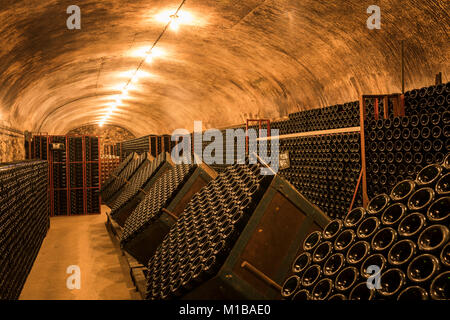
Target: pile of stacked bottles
{"points": [[24, 221], [396, 248]]}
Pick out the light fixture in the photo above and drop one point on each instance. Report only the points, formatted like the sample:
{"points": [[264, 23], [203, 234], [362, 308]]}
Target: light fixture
{"points": [[174, 22], [135, 78], [149, 57]]}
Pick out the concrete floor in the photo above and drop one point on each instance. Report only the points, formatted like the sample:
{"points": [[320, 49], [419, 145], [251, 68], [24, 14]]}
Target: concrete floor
{"points": [[85, 242]]}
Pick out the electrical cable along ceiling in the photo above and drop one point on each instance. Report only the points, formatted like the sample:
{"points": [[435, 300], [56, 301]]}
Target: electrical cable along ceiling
{"points": [[226, 61]]}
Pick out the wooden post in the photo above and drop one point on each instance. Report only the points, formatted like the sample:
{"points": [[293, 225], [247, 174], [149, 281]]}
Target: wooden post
{"points": [[169, 213], [403, 66], [438, 78], [356, 191], [386, 107], [362, 113], [401, 107], [260, 275]]}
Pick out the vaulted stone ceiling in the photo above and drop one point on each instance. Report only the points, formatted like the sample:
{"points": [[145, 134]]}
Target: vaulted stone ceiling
{"points": [[233, 60]]}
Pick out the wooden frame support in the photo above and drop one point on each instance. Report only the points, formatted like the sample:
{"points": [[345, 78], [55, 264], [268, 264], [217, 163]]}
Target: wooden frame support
{"points": [[362, 118], [260, 275], [398, 101]]}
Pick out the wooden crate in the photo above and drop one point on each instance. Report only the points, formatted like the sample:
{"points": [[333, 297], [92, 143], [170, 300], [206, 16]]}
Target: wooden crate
{"points": [[261, 258]]}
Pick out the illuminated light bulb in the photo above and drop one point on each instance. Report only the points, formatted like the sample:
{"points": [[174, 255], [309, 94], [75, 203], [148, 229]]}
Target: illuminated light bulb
{"points": [[158, 52], [149, 57], [174, 23]]}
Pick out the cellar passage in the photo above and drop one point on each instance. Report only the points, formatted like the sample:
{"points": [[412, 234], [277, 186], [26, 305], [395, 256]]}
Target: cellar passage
{"points": [[112, 188]]}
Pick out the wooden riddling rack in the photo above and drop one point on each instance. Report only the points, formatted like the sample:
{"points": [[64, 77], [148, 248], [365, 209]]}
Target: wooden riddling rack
{"points": [[63, 193]]}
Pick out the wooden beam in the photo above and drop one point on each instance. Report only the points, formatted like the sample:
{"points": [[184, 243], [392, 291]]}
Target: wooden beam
{"points": [[386, 107], [260, 275], [362, 118], [312, 133]]}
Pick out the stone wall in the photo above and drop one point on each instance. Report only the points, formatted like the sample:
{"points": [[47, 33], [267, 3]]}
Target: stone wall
{"points": [[108, 134], [11, 146]]}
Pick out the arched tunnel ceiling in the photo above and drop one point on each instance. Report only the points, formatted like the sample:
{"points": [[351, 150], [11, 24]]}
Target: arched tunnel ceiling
{"points": [[235, 59]]}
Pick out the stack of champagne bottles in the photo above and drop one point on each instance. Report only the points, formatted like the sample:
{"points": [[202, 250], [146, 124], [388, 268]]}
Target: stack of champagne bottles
{"points": [[398, 148], [109, 164], [332, 117], [201, 239], [24, 221], [118, 170], [432, 99], [75, 175], [38, 148], [138, 145], [92, 159], [397, 248], [157, 198], [230, 151], [59, 177], [150, 143], [112, 187], [137, 183], [325, 169], [91, 148], [234, 146]]}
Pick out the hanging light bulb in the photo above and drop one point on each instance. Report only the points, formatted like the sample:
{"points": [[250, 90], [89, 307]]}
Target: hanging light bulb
{"points": [[150, 53], [174, 23], [149, 56]]}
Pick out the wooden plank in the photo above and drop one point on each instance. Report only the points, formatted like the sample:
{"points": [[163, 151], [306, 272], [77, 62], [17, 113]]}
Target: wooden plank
{"points": [[395, 103], [386, 107], [139, 280], [356, 191], [136, 269], [381, 95], [312, 133], [401, 107], [376, 109], [362, 117]]}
